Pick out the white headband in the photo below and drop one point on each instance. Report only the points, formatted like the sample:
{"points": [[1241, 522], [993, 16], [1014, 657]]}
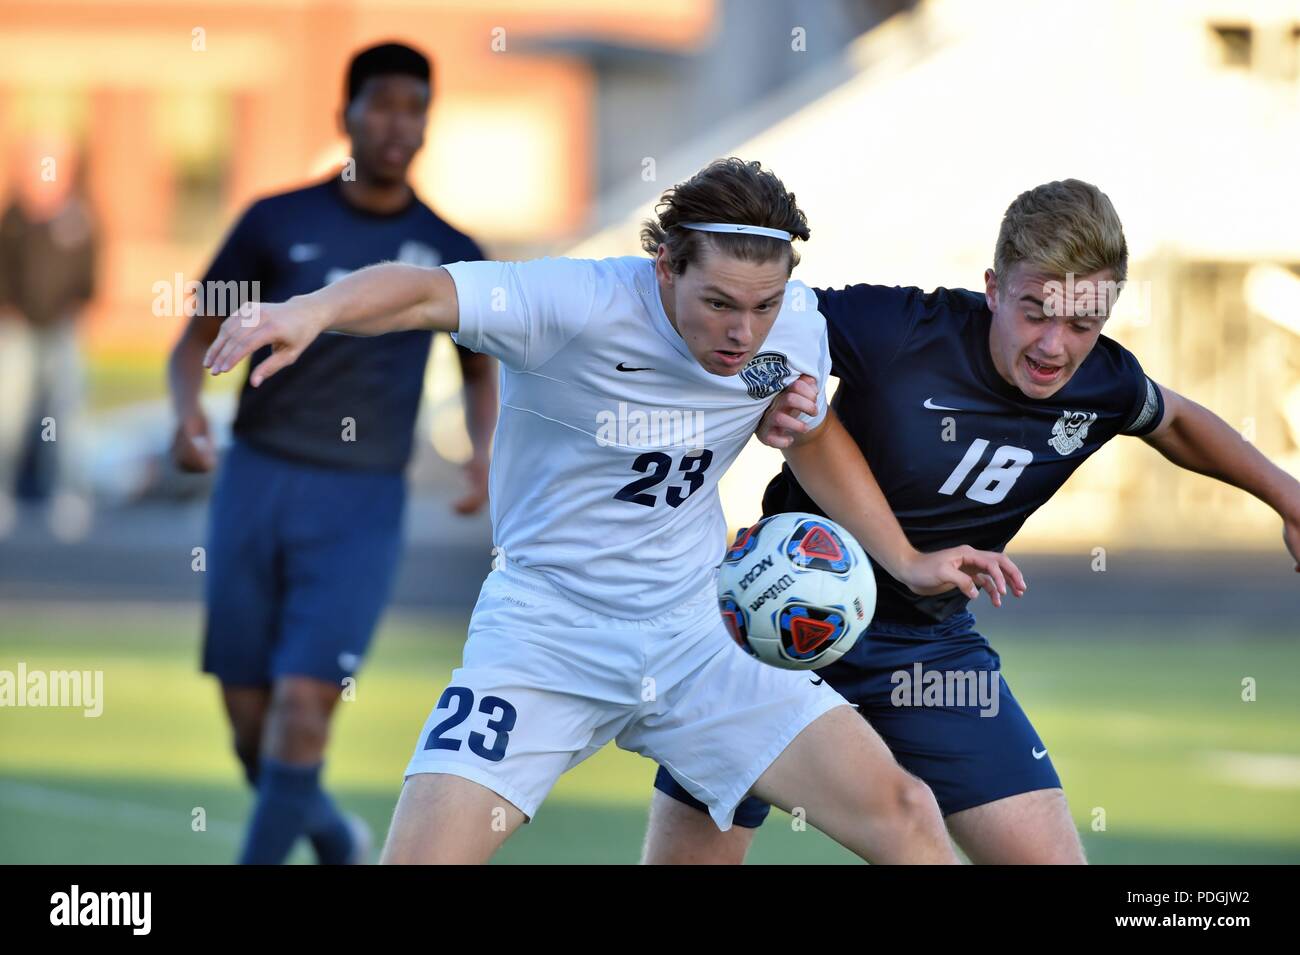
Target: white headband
{"points": [[732, 227]]}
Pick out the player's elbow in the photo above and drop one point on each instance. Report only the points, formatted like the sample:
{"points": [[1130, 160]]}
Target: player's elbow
{"points": [[439, 307]]}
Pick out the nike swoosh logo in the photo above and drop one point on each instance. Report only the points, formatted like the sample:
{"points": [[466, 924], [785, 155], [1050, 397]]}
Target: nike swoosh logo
{"points": [[819, 681], [621, 367], [1037, 754], [302, 252], [929, 403]]}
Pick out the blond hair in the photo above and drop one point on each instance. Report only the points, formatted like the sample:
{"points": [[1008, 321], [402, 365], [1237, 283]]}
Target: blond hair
{"points": [[1062, 228]]}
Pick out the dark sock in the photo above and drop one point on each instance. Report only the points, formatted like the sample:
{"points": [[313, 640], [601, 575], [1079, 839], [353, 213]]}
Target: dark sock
{"points": [[286, 798], [330, 835], [329, 832]]}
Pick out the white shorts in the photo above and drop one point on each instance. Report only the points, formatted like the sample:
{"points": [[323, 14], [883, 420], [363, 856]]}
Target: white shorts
{"points": [[545, 683]]}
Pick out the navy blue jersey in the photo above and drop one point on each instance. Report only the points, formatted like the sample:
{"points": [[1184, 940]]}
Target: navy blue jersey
{"points": [[962, 456], [365, 389]]}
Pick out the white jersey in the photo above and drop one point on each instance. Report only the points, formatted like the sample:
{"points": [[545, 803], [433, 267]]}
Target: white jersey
{"points": [[612, 437]]}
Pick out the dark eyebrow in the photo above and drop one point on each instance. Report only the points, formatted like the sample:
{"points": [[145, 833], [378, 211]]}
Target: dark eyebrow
{"points": [[721, 294]]}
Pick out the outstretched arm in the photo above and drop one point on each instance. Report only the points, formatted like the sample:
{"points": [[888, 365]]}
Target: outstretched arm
{"points": [[1195, 438], [830, 467], [372, 301]]}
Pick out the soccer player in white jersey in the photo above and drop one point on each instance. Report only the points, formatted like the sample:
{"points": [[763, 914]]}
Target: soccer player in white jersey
{"points": [[629, 385]]}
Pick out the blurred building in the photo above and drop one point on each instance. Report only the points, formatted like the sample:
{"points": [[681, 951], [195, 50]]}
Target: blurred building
{"points": [[556, 120], [1185, 112], [188, 111]]}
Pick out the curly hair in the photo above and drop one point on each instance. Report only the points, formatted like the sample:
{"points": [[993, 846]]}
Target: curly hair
{"points": [[727, 190]]}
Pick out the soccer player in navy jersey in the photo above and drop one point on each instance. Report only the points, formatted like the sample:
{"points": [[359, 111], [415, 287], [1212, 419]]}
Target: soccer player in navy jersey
{"points": [[972, 409], [306, 515], [600, 624]]}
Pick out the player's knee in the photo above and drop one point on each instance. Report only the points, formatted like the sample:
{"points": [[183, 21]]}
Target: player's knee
{"points": [[302, 722], [298, 724], [688, 836], [910, 803]]}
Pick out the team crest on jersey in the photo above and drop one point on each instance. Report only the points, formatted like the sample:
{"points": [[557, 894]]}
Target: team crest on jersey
{"points": [[1069, 432], [765, 374]]}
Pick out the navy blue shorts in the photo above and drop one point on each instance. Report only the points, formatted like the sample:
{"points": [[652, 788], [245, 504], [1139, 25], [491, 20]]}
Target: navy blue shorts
{"points": [[960, 730], [300, 564]]}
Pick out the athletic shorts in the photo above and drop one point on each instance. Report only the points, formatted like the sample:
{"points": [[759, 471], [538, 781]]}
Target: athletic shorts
{"points": [[300, 563], [961, 731], [546, 682]]}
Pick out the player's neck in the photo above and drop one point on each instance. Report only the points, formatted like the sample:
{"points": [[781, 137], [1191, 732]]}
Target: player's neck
{"points": [[381, 198]]}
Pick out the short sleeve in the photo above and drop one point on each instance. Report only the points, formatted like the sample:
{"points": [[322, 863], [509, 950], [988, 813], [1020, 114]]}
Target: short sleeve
{"points": [[469, 252], [867, 326], [1148, 404], [240, 259], [522, 312]]}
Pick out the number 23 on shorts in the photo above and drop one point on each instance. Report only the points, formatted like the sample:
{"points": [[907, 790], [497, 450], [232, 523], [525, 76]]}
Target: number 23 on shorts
{"points": [[460, 699]]}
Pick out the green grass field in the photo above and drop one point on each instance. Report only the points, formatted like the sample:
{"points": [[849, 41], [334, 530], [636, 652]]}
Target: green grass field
{"points": [[1150, 727]]}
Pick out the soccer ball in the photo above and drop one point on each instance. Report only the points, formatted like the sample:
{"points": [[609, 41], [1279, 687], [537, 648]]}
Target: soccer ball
{"points": [[796, 591]]}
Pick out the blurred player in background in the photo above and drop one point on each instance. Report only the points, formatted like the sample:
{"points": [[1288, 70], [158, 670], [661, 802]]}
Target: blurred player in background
{"points": [[600, 623], [47, 277], [306, 514], [973, 408]]}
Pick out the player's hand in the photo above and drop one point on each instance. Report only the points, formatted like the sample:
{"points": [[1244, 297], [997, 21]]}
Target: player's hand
{"points": [[968, 570], [1291, 535], [192, 448], [288, 327], [781, 423], [476, 493]]}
